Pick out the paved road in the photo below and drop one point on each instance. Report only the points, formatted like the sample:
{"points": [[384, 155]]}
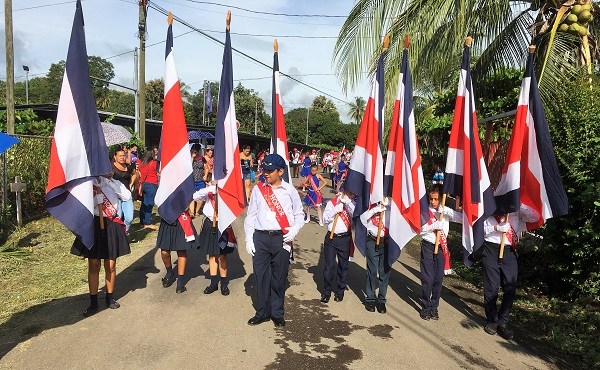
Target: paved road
{"points": [[156, 328]]}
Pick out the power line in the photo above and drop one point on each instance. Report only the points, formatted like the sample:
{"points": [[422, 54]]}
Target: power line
{"points": [[268, 13], [156, 7], [42, 6]]}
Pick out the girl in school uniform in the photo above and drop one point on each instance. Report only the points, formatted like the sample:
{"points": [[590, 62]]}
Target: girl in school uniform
{"points": [[314, 182]]}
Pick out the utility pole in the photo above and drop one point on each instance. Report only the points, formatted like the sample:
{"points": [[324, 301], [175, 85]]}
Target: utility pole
{"points": [[10, 68], [255, 115], [203, 102], [306, 141], [142, 75], [26, 69], [137, 93]]}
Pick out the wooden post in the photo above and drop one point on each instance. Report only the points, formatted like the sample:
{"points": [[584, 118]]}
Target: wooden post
{"points": [[437, 233], [18, 187], [10, 68], [501, 254], [142, 69], [215, 214], [335, 219]]}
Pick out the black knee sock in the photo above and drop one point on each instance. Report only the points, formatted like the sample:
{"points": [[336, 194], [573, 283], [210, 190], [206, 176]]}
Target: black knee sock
{"points": [[214, 281], [169, 272], [94, 300], [180, 281], [224, 281], [109, 297]]}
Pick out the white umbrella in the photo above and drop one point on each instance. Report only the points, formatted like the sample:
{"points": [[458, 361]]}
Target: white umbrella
{"points": [[114, 134]]}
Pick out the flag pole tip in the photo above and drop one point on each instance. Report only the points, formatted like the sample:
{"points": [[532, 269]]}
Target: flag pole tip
{"points": [[228, 19], [531, 49], [386, 41], [468, 41], [170, 18], [406, 41], [275, 46]]}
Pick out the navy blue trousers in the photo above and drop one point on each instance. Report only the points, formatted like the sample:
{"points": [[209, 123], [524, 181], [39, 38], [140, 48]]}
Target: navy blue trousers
{"points": [[340, 247], [432, 274], [378, 270], [497, 275], [270, 264]]}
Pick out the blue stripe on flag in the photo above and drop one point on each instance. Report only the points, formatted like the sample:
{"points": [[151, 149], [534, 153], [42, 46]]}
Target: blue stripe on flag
{"points": [[225, 91], [179, 199]]}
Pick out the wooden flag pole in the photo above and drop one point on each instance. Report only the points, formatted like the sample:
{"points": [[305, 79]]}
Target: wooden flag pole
{"points": [[437, 233], [228, 20], [275, 46], [501, 254], [386, 42], [406, 41], [214, 221], [170, 18], [468, 41], [100, 211], [335, 219]]}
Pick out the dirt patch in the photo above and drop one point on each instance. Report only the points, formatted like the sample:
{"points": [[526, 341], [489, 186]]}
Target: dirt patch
{"points": [[382, 331], [474, 358]]}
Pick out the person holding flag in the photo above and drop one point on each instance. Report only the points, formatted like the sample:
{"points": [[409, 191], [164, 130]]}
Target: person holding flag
{"points": [[218, 245], [365, 179], [338, 242], [176, 188], [530, 192], [432, 268], [274, 219]]}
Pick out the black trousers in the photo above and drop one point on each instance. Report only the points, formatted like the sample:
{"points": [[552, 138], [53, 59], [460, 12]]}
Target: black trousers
{"points": [[497, 275], [340, 247], [378, 270], [270, 263], [432, 274]]}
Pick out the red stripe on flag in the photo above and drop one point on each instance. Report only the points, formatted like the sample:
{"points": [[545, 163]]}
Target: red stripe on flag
{"points": [[176, 132], [56, 173]]}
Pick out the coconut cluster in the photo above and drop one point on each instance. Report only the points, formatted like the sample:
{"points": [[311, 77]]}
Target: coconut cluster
{"points": [[576, 22]]}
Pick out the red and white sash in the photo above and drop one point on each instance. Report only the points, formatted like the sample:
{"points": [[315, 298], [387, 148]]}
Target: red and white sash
{"points": [[443, 244], [511, 235], [344, 215], [315, 188], [375, 221], [186, 224], [110, 211], [275, 207]]}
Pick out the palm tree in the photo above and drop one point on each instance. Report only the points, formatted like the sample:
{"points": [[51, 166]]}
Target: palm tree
{"points": [[357, 109], [501, 29]]}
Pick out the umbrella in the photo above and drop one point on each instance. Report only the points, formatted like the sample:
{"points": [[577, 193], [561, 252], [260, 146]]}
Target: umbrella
{"points": [[6, 141], [114, 134], [195, 135]]}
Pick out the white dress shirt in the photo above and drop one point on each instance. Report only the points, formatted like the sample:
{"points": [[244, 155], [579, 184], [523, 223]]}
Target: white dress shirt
{"points": [[112, 189], [329, 216], [518, 221], [369, 218], [427, 231], [203, 194], [260, 216]]}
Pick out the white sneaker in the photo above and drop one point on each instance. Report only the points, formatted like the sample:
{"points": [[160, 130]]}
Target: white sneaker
{"points": [[321, 224], [307, 221]]}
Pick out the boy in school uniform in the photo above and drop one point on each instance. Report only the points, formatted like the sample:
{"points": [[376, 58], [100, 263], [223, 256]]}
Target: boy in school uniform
{"points": [[337, 244], [378, 268], [433, 271], [274, 219]]}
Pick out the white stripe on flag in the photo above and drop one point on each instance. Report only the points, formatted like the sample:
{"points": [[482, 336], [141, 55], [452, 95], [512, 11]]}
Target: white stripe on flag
{"points": [[401, 232], [170, 73], [82, 193], [535, 166], [510, 180], [524, 95], [173, 174], [231, 141], [70, 146], [455, 156], [462, 83]]}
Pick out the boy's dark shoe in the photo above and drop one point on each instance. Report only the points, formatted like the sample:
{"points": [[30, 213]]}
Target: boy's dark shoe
{"points": [[505, 332], [325, 298], [425, 314], [381, 308], [370, 307], [257, 320], [279, 322], [434, 314], [338, 297], [491, 329]]}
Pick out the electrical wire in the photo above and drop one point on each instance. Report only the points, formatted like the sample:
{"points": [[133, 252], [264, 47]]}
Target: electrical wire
{"points": [[268, 13]]}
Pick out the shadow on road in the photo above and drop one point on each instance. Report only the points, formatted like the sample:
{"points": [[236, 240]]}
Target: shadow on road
{"points": [[27, 324]]}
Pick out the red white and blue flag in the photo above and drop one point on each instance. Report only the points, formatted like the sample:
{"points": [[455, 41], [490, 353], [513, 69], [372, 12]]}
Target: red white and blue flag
{"points": [[176, 185], [530, 174], [227, 170], [403, 181], [278, 135], [466, 173], [78, 152], [365, 174]]}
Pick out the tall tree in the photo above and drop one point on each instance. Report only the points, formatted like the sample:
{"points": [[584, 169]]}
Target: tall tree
{"points": [[501, 31], [357, 109]]}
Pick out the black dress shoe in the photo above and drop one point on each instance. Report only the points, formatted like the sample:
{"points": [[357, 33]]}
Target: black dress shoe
{"points": [[325, 298], [279, 322], [505, 332], [381, 308], [491, 329], [225, 290], [370, 307], [434, 314], [112, 304], [338, 297], [168, 281], [257, 320], [210, 289], [91, 311], [180, 290], [425, 314]]}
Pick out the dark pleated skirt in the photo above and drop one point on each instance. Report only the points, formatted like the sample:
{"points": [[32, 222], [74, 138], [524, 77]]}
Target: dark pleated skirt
{"points": [[110, 243], [172, 238], [209, 239]]}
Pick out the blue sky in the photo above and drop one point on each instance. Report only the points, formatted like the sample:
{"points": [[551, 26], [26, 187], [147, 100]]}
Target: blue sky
{"points": [[41, 37]]}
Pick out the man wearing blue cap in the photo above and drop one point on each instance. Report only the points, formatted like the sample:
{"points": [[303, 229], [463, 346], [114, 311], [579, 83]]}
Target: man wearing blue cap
{"points": [[274, 219]]}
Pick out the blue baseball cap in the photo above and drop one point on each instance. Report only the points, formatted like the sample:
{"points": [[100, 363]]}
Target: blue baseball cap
{"points": [[272, 162]]}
